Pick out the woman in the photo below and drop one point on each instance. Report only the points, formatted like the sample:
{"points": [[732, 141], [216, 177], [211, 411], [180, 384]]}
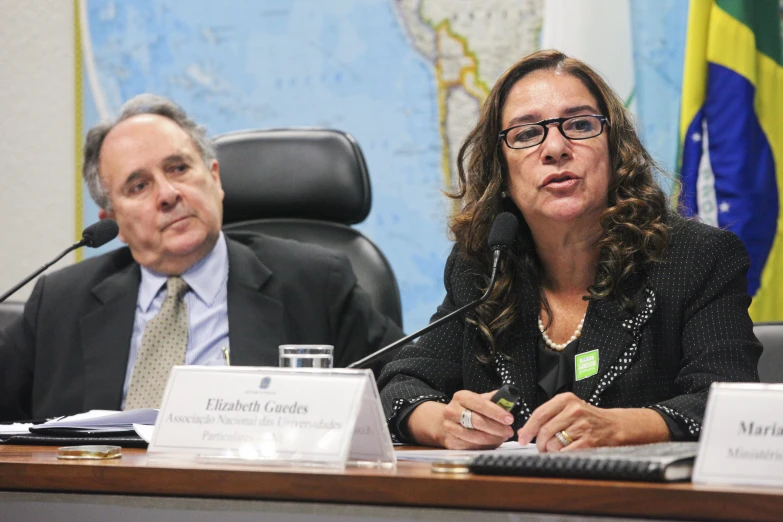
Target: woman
{"points": [[650, 307]]}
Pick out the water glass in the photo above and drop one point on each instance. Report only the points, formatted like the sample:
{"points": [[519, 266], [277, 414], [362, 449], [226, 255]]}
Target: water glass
{"points": [[306, 355]]}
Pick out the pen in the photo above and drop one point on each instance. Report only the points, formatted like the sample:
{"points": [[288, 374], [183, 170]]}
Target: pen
{"points": [[225, 354]]}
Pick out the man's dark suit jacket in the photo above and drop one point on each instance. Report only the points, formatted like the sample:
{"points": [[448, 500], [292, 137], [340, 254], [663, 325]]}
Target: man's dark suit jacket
{"points": [[689, 328], [69, 351]]}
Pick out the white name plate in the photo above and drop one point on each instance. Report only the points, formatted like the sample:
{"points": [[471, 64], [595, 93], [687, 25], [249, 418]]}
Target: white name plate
{"points": [[742, 436], [281, 416]]}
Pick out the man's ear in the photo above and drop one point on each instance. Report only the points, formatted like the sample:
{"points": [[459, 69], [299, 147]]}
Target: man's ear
{"points": [[214, 170], [105, 214]]}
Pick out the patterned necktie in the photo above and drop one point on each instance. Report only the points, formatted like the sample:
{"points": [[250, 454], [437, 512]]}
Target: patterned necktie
{"points": [[163, 346]]}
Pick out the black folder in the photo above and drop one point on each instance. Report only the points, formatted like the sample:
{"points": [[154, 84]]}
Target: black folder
{"points": [[662, 462], [129, 440]]}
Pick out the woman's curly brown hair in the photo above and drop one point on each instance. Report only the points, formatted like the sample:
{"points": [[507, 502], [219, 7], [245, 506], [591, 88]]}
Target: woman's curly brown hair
{"points": [[635, 222]]}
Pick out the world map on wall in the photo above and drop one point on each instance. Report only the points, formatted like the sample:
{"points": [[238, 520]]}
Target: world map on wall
{"points": [[405, 78]]}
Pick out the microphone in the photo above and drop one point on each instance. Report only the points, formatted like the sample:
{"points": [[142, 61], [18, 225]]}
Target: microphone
{"points": [[501, 237], [97, 234]]}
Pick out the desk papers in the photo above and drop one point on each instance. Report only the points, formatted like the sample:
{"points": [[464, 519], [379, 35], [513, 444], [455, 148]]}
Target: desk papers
{"points": [[510, 447], [99, 421]]}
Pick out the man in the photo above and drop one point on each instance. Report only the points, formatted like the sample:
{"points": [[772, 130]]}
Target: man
{"points": [[104, 334]]}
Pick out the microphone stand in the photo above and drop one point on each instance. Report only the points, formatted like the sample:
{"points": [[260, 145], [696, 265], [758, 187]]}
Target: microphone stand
{"points": [[37, 272], [362, 363]]}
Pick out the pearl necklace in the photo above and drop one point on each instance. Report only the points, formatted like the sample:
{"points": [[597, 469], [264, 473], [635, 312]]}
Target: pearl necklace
{"points": [[560, 347]]}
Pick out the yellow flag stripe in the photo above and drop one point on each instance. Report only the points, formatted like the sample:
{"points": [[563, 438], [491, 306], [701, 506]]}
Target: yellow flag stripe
{"points": [[694, 79], [732, 44]]}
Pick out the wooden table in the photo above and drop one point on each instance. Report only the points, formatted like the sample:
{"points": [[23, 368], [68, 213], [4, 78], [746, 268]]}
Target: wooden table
{"points": [[37, 470]]}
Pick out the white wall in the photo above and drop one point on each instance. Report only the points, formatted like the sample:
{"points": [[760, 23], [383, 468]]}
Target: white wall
{"points": [[36, 136]]}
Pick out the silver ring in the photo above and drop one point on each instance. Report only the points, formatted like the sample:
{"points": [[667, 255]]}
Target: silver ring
{"points": [[467, 419], [563, 438]]}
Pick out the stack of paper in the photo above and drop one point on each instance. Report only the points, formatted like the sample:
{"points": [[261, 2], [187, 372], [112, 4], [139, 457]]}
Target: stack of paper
{"points": [[17, 428], [100, 421], [510, 447]]}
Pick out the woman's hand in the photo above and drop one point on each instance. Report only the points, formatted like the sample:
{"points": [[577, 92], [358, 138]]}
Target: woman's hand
{"points": [[436, 424], [584, 426]]}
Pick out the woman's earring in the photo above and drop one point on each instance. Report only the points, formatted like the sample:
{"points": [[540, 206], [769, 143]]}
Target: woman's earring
{"points": [[503, 194]]}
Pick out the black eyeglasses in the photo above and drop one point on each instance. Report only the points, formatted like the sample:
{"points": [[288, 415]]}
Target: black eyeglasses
{"points": [[573, 128]]}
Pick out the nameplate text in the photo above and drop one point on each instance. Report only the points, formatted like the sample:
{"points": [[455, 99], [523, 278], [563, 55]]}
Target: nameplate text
{"points": [[273, 416], [742, 436]]}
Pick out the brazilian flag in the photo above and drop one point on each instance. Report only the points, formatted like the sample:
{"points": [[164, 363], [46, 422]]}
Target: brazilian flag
{"points": [[731, 132]]}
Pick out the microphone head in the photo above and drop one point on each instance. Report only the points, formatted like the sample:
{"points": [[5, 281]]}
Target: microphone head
{"points": [[100, 233], [503, 231]]}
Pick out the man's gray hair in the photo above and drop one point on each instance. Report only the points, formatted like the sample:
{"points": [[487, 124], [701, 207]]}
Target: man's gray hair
{"points": [[141, 104]]}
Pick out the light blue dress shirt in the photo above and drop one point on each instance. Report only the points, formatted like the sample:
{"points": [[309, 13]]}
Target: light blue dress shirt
{"points": [[207, 302]]}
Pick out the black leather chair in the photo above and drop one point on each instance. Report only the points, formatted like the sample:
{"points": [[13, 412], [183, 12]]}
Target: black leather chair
{"points": [[9, 312], [771, 362], [310, 185]]}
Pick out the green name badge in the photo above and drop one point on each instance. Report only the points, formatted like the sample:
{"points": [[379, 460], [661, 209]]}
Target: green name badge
{"points": [[586, 364]]}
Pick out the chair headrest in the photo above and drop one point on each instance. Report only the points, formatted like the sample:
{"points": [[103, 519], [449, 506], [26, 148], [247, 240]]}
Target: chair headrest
{"points": [[293, 173]]}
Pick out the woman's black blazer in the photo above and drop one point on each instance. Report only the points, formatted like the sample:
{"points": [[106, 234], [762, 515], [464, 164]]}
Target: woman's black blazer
{"points": [[689, 328]]}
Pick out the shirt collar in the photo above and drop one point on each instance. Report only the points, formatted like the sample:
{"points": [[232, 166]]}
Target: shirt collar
{"points": [[205, 278]]}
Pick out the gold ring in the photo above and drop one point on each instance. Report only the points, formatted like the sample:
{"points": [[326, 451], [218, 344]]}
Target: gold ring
{"points": [[563, 438]]}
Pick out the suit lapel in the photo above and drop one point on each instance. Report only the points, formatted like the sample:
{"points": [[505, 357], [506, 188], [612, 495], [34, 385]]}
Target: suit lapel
{"points": [[615, 333], [608, 328], [255, 317], [106, 334], [521, 343]]}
